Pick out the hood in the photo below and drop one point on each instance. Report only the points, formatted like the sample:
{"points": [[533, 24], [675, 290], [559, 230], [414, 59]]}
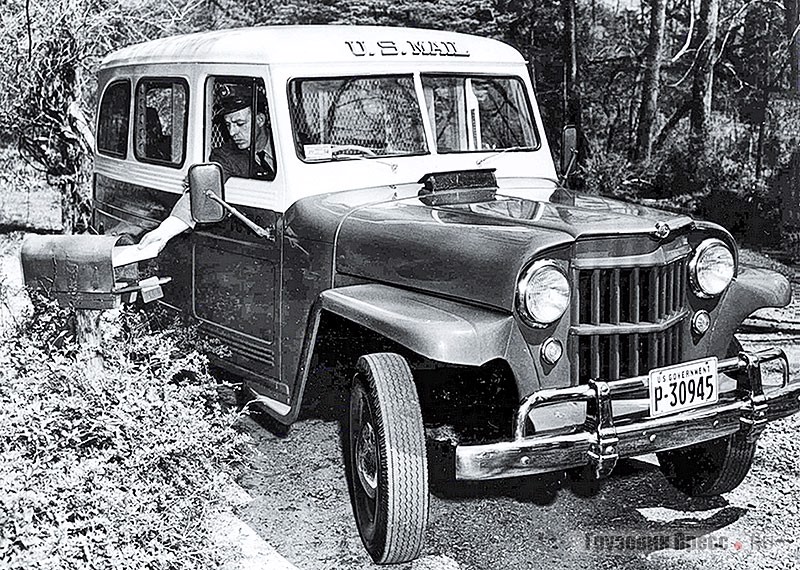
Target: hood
{"points": [[476, 251]]}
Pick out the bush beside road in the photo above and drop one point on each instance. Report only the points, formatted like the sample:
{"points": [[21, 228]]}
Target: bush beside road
{"points": [[122, 470]]}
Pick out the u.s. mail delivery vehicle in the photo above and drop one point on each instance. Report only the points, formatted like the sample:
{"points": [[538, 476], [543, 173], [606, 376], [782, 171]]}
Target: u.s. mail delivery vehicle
{"points": [[379, 207]]}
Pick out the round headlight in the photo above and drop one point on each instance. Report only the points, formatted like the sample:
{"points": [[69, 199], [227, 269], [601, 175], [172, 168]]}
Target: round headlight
{"points": [[711, 269], [543, 293]]}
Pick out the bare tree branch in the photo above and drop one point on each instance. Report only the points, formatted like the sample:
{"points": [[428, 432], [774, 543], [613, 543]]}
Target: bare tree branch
{"points": [[735, 18], [689, 34], [681, 112], [28, 24]]}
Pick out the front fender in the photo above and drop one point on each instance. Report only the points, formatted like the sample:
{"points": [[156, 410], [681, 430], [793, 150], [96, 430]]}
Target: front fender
{"points": [[439, 329], [753, 289], [761, 288]]}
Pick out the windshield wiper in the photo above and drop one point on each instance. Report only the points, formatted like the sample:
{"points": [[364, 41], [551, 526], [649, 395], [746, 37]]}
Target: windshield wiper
{"points": [[499, 152]]}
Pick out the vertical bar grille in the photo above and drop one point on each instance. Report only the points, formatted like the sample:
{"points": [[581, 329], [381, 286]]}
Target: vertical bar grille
{"points": [[620, 297]]}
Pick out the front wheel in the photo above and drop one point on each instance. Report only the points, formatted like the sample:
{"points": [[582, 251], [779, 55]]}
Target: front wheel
{"points": [[710, 468], [387, 465]]}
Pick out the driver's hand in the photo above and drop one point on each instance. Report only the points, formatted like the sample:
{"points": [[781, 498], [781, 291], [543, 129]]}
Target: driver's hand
{"points": [[167, 230], [155, 236]]}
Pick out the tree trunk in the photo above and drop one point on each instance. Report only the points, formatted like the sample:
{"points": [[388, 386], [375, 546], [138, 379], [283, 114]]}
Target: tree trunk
{"points": [[702, 85], [792, 22], [651, 85], [572, 89], [73, 174], [673, 121], [66, 189], [762, 125]]}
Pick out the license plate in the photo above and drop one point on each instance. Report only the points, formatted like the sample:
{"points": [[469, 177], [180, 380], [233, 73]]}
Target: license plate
{"points": [[683, 386]]}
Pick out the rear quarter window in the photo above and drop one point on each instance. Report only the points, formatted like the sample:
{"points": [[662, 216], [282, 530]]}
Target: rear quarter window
{"points": [[160, 119], [112, 128]]}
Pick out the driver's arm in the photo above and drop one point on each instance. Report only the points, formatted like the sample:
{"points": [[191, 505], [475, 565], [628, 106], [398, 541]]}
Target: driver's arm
{"points": [[178, 221]]}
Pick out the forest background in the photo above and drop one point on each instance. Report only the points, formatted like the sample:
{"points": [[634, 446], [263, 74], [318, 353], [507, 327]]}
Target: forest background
{"points": [[693, 104]]}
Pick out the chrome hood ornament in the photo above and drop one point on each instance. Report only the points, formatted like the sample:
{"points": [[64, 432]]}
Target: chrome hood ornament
{"points": [[662, 230]]}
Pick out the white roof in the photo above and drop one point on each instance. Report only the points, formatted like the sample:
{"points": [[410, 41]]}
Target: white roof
{"points": [[316, 44]]}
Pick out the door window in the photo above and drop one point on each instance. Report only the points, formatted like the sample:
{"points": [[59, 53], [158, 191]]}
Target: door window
{"points": [[240, 135]]}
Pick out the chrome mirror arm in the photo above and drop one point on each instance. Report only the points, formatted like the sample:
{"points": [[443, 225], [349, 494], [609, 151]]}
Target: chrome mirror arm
{"points": [[266, 233]]}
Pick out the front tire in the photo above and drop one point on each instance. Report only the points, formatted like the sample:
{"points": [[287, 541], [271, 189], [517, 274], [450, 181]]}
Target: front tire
{"points": [[714, 467], [387, 465]]}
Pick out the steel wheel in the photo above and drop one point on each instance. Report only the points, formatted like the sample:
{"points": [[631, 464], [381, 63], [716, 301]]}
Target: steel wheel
{"points": [[387, 466]]}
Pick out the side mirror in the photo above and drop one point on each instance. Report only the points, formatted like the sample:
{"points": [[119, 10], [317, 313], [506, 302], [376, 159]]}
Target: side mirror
{"points": [[207, 192], [569, 149]]}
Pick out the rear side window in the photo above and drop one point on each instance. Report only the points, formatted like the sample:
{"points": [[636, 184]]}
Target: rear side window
{"points": [[161, 113], [112, 129]]}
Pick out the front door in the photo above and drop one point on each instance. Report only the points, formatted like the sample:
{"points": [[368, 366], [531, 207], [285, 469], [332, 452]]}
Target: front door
{"points": [[236, 274]]}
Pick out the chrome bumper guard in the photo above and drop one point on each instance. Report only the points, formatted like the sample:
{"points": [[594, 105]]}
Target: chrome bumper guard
{"points": [[600, 443]]}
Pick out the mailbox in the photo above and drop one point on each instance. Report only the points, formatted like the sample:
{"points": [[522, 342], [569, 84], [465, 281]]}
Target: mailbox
{"points": [[85, 271]]}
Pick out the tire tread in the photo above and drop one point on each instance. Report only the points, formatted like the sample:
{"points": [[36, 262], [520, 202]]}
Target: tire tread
{"points": [[390, 380], [727, 461]]}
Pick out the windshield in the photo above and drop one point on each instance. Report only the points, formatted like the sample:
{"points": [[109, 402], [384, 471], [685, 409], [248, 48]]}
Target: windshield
{"points": [[356, 117], [479, 113], [366, 117]]}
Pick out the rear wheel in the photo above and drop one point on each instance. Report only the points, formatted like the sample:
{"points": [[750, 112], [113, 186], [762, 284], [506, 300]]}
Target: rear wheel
{"points": [[710, 468], [387, 465]]}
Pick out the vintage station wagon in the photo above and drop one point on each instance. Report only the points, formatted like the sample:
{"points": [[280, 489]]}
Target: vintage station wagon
{"points": [[407, 237]]}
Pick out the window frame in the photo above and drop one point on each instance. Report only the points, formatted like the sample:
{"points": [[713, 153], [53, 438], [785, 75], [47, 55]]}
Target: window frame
{"points": [[104, 151], [289, 99], [165, 80], [484, 75]]}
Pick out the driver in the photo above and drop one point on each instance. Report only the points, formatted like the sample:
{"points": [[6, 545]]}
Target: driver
{"points": [[234, 110]]}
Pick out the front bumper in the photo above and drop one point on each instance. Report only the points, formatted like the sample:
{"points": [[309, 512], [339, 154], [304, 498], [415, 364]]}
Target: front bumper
{"points": [[600, 443]]}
